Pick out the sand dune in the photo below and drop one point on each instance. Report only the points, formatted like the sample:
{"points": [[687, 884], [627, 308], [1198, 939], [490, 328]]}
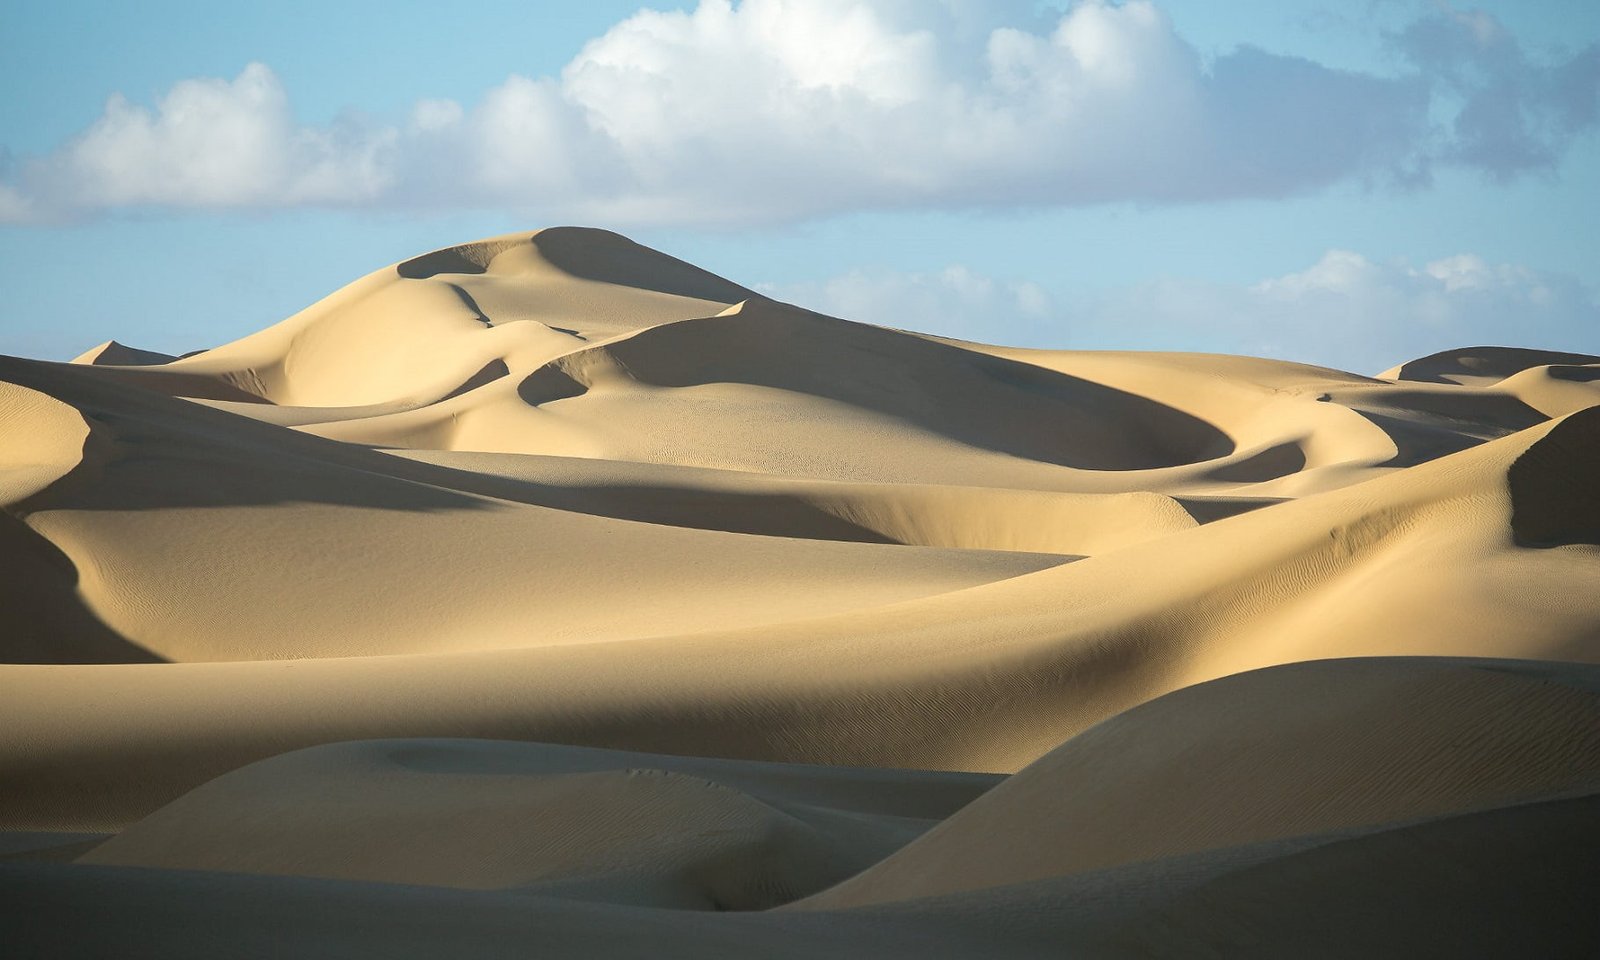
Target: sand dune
{"points": [[552, 586], [1299, 750], [668, 831], [1508, 872]]}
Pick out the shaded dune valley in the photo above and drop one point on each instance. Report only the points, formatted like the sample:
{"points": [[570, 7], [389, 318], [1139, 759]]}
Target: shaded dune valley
{"points": [[548, 596]]}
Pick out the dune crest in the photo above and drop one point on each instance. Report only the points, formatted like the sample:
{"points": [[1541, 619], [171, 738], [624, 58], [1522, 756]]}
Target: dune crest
{"points": [[551, 590]]}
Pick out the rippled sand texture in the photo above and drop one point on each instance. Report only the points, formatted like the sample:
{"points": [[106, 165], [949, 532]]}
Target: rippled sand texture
{"points": [[550, 596]]}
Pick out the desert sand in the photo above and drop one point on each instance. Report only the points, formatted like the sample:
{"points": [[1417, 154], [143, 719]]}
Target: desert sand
{"points": [[550, 596]]}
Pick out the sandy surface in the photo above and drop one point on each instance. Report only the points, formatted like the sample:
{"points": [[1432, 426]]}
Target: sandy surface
{"points": [[549, 596]]}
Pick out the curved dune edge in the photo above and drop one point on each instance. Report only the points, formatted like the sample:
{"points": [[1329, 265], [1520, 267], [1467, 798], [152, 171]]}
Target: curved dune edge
{"points": [[551, 586], [500, 844]]}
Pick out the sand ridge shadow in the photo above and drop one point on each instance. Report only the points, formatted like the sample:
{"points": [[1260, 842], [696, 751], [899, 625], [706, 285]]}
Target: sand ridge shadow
{"points": [[1425, 425], [587, 253], [46, 620], [1575, 374], [1555, 485], [590, 253], [189, 455], [1485, 361], [146, 450], [1278, 460], [985, 402]]}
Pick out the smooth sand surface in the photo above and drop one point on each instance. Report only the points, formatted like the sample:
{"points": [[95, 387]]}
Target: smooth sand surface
{"points": [[548, 595]]}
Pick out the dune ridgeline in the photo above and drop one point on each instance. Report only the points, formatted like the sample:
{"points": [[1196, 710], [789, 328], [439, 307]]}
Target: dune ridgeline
{"points": [[550, 596]]}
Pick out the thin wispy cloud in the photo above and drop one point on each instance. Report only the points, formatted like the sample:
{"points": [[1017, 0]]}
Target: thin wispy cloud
{"points": [[1344, 310], [955, 301], [1350, 311], [776, 110]]}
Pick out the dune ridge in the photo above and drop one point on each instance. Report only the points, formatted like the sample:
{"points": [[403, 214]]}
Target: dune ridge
{"points": [[553, 586]]}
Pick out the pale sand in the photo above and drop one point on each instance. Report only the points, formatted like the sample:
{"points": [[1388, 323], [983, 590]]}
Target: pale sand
{"points": [[794, 594]]}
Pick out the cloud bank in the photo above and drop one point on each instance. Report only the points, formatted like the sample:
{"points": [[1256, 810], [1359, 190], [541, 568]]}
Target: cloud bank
{"points": [[775, 110], [1345, 310]]}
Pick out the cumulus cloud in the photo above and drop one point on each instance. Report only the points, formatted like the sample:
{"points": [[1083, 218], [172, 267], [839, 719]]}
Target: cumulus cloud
{"points": [[1344, 311], [772, 110], [1351, 311], [14, 207], [214, 143]]}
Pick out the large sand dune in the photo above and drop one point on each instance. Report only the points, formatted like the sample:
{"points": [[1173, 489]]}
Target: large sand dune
{"points": [[551, 596]]}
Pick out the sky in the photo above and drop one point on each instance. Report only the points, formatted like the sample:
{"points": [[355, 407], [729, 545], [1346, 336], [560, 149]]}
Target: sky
{"points": [[1352, 184]]}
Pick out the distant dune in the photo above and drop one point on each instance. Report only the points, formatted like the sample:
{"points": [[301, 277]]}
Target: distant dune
{"points": [[550, 596]]}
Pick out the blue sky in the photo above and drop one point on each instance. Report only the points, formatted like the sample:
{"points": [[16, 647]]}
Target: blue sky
{"points": [[1351, 184]]}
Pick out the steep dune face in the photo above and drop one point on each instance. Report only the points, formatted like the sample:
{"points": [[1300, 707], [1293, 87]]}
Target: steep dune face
{"points": [[978, 400], [45, 438], [114, 354], [1555, 485], [558, 488], [1483, 365], [404, 335], [193, 534]]}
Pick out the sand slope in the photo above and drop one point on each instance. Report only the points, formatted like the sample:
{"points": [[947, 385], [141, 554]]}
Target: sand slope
{"points": [[1482, 866], [560, 821], [745, 607], [1301, 749]]}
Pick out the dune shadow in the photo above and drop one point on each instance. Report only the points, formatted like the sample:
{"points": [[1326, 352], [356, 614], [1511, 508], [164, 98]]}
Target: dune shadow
{"points": [[1575, 374], [605, 257], [1499, 362], [587, 253], [468, 301], [150, 452], [465, 258], [983, 401], [1555, 485], [548, 384], [1427, 425], [179, 383], [1417, 443], [1211, 509], [46, 620], [122, 355], [147, 450], [863, 789], [761, 514], [1278, 460], [490, 372]]}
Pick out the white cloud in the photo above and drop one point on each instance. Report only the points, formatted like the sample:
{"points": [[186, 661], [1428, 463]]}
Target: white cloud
{"points": [[214, 143], [14, 207], [1345, 310], [1358, 314], [784, 109], [432, 115]]}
